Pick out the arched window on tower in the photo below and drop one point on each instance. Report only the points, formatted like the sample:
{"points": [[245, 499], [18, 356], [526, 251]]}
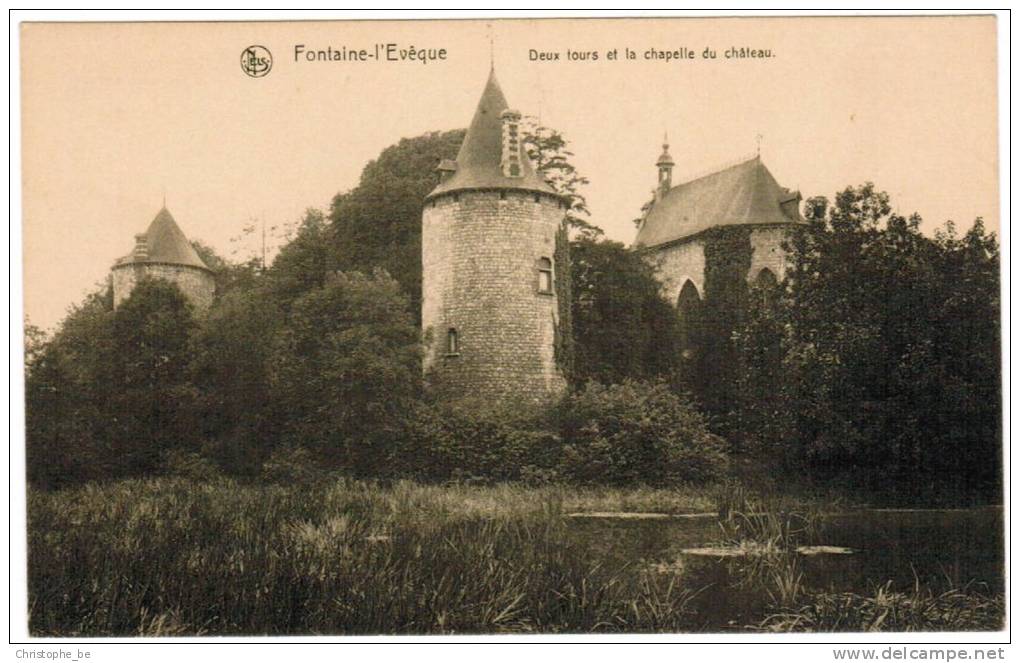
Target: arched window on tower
{"points": [[765, 286], [545, 276], [452, 342], [688, 306]]}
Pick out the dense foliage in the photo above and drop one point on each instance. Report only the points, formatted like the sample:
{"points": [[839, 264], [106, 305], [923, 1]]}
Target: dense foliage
{"points": [[637, 433], [880, 358], [623, 328], [110, 393], [452, 443], [345, 368], [377, 224], [713, 369]]}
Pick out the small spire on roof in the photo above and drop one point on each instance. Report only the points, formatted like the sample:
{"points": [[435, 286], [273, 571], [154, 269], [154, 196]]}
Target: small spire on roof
{"points": [[665, 159], [665, 165]]}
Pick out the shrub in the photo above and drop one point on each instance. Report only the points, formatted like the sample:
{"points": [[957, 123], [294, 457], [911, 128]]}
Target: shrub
{"points": [[189, 464], [445, 443], [637, 433], [292, 465]]}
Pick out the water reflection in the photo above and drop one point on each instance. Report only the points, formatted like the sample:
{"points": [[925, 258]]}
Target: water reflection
{"points": [[934, 548]]}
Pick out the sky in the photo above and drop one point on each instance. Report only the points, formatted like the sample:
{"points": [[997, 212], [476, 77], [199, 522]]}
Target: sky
{"points": [[148, 110]]}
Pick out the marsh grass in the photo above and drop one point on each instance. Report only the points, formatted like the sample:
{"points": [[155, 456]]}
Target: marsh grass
{"points": [[884, 609], [176, 557], [775, 527]]}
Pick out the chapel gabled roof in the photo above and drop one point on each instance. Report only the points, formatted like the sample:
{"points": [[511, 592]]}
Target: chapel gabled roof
{"points": [[744, 194], [166, 243], [479, 161]]}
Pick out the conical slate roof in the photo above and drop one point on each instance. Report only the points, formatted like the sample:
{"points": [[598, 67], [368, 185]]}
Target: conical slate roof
{"points": [[743, 194], [166, 243], [479, 159]]}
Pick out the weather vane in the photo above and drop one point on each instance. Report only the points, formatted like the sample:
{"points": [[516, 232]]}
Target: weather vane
{"points": [[492, 47]]}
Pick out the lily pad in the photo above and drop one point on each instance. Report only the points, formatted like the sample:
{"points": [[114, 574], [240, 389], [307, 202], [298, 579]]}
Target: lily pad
{"points": [[824, 550], [743, 550]]}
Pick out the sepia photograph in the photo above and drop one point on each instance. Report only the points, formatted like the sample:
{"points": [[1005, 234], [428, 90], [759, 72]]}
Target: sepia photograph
{"points": [[511, 326]]}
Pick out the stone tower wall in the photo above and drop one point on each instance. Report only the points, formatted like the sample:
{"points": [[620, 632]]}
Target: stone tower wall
{"points": [[480, 262], [197, 284]]}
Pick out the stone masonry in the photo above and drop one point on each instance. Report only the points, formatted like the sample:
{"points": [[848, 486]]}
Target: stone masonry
{"points": [[480, 260], [684, 261], [197, 284]]}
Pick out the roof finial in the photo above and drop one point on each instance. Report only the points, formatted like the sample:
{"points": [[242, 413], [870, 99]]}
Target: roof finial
{"points": [[665, 140], [164, 197], [758, 140], [492, 49]]}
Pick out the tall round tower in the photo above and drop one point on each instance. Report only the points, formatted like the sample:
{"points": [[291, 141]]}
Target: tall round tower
{"points": [[489, 299], [163, 251]]}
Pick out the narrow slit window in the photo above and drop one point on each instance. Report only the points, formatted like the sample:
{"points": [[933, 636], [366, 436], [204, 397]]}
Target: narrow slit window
{"points": [[452, 342], [545, 276]]}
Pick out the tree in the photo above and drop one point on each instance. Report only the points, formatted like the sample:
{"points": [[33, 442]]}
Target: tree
{"points": [[622, 326], [67, 383], [229, 275], [304, 263], [881, 352], [636, 432], [152, 409], [230, 370], [378, 223], [547, 149], [345, 369]]}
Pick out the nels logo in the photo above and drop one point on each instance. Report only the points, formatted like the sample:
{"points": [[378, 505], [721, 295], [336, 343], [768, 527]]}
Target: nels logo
{"points": [[256, 61]]}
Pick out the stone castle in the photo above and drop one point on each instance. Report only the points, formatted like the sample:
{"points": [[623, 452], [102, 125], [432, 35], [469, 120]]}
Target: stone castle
{"points": [[490, 233], [489, 308]]}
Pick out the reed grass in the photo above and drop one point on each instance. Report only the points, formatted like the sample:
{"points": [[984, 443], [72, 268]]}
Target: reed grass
{"points": [[884, 609], [178, 557], [175, 557]]}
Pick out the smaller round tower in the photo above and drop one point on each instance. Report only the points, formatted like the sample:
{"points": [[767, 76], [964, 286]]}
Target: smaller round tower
{"points": [[164, 252]]}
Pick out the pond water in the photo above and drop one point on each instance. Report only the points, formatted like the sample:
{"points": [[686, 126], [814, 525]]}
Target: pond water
{"points": [[933, 547]]}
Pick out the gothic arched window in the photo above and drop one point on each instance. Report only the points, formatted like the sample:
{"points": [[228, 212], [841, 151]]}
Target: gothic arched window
{"points": [[452, 342], [765, 284], [688, 306]]}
